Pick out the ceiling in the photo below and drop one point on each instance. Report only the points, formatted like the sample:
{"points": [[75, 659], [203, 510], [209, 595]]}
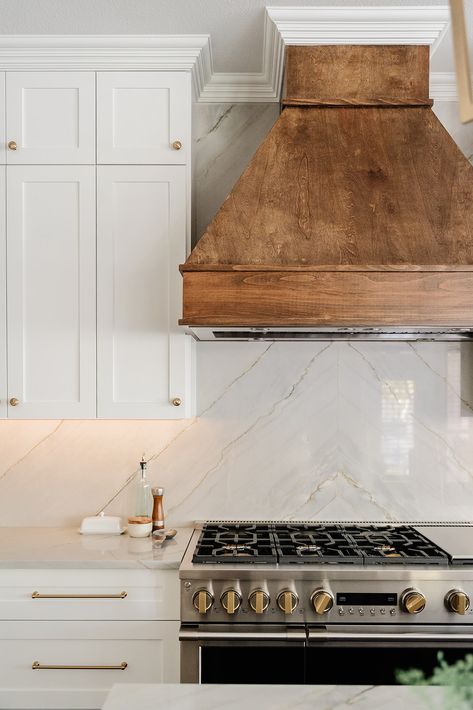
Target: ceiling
{"points": [[236, 27]]}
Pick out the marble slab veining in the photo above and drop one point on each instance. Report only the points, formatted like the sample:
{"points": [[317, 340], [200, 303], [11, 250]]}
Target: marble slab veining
{"points": [[276, 697], [286, 430], [65, 548]]}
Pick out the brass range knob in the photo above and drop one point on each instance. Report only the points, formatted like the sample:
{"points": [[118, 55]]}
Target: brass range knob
{"points": [[177, 145], [259, 601], [202, 600], [14, 402], [322, 601], [457, 601], [231, 601], [12, 145], [287, 601], [412, 601]]}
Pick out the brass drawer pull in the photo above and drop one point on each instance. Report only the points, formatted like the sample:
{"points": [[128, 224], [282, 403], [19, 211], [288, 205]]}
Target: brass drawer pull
{"points": [[37, 595], [37, 666]]}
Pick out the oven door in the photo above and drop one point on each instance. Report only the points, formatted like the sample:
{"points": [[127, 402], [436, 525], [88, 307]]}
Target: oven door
{"points": [[219, 653], [356, 655]]}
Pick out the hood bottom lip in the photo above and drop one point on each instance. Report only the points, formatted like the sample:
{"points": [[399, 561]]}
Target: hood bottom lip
{"points": [[368, 333]]}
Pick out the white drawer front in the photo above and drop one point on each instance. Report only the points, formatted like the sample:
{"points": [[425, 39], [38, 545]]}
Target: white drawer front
{"points": [[150, 651], [89, 594]]}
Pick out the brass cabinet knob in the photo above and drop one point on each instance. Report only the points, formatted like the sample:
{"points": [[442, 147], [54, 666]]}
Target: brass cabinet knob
{"points": [[412, 601], [287, 601], [457, 601], [177, 145], [322, 601], [12, 145], [176, 401], [202, 600], [14, 402], [231, 601], [259, 601]]}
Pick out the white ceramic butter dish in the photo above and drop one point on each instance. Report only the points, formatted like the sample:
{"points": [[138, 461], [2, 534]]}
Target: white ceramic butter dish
{"points": [[102, 525]]}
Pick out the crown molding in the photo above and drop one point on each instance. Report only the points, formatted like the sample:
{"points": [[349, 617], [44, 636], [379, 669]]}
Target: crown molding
{"points": [[193, 53], [443, 86], [105, 52], [425, 24]]}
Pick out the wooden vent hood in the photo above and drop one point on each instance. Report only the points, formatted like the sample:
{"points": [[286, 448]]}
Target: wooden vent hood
{"points": [[354, 219]]}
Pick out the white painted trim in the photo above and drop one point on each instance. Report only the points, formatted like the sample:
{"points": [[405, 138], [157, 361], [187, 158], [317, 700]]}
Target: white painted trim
{"points": [[443, 86], [105, 52], [328, 25], [296, 25]]}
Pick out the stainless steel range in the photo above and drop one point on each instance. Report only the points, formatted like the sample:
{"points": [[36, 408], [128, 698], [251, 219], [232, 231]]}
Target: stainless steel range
{"points": [[323, 602]]}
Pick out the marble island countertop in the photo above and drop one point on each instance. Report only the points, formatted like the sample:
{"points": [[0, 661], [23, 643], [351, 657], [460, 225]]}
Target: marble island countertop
{"points": [[276, 697], [66, 548]]}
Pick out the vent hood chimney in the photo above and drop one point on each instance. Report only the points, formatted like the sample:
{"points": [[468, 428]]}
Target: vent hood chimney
{"points": [[354, 219]]}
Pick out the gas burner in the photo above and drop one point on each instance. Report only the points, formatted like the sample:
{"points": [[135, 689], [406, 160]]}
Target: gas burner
{"points": [[238, 548], [308, 549], [387, 550]]}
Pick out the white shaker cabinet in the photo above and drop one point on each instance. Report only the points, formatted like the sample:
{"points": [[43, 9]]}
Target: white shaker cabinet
{"points": [[96, 627], [63, 353], [50, 117], [3, 300], [3, 145], [143, 117], [143, 360], [51, 291]]}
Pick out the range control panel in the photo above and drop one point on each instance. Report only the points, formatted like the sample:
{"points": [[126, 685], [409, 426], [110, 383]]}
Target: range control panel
{"points": [[246, 601]]}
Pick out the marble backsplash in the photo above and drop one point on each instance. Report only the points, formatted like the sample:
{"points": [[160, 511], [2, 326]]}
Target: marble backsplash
{"points": [[356, 430]]}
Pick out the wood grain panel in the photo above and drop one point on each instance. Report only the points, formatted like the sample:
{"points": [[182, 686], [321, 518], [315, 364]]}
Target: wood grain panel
{"points": [[335, 299], [348, 72], [348, 186]]}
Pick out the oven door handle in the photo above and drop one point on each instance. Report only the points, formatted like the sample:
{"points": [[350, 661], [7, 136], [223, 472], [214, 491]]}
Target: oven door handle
{"points": [[377, 636], [235, 635]]}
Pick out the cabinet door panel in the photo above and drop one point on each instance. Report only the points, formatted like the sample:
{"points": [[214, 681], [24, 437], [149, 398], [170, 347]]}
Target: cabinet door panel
{"points": [[140, 115], [51, 291], [51, 117], [3, 157], [150, 650], [140, 243], [3, 299]]}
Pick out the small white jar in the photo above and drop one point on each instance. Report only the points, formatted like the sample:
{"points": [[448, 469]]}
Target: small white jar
{"points": [[139, 526]]}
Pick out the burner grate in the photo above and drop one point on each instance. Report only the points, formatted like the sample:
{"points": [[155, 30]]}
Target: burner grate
{"points": [[305, 543], [236, 543]]}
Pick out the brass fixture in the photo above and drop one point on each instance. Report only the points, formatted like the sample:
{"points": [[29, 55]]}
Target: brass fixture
{"points": [[37, 666], [177, 145], [413, 601], [37, 595], [457, 601], [322, 601], [177, 401], [259, 601], [287, 601], [231, 601], [14, 401], [202, 600], [12, 145]]}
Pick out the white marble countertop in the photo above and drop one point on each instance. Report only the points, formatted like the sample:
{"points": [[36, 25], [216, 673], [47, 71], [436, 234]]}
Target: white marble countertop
{"points": [[66, 548], [188, 696]]}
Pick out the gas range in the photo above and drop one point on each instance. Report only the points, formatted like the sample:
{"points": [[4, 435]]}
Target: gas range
{"points": [[326, 583], [305, 572]]}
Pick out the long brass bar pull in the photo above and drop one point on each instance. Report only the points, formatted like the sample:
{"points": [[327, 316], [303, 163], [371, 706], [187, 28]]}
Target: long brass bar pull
{"points": [[37, 666], [37, 595]]}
